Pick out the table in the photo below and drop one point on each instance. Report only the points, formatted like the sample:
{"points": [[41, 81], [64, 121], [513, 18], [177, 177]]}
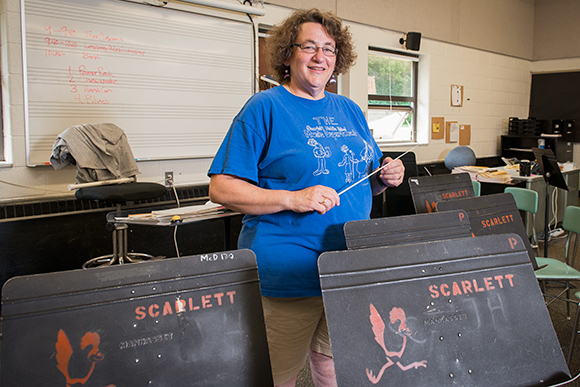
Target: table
{"points": [[128, 217], [562, 198]]}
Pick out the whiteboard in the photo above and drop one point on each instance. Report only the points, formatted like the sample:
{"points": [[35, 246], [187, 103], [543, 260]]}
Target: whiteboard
{"points": [[172, 80]]}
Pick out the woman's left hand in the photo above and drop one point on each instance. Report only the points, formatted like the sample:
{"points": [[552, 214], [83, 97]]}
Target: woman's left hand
{"points": [[392, 175]]}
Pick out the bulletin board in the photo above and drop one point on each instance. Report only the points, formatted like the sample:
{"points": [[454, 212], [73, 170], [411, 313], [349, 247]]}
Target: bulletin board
{"points": [[451, 131], [464, 134], [437, 128], [172, 80]]}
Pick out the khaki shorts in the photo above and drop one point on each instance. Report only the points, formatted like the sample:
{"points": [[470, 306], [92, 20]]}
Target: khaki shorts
{"points": [[293, 325]]}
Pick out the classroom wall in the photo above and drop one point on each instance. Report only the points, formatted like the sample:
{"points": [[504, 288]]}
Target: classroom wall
{"points": [[495, 86], [459, 47], [560, 65], [557, 40], [500, 26], [556, 30]]}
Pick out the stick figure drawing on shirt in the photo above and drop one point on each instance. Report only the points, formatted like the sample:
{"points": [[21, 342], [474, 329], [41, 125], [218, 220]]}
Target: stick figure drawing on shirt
{"points": [[321, 153], [349, 163], [366, 156]]}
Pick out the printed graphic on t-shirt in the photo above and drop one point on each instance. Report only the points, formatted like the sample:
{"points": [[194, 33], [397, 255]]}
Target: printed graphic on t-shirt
{"points": [[356, 168], [354, 162], [326, 127], [348, 162], [366, 157], [321, 153]]}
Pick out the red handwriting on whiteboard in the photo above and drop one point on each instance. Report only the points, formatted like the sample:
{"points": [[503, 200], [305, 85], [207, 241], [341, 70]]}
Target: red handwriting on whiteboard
{"points": [[99, 71], [86, 55], [87, 83], [57, 42], [90, 100], [51, 53], [71, 80], [102, 89], [111, 48], [87, 98], [98, 75], [102, 36], [64, 31]]}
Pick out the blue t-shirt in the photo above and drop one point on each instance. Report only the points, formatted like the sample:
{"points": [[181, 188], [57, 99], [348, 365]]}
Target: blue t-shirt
{"points": [[281, 141]]}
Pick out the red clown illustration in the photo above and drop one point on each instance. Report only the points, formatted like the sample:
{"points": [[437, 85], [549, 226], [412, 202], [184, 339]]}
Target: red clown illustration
{"points": [[396, 314], [64, 353]]}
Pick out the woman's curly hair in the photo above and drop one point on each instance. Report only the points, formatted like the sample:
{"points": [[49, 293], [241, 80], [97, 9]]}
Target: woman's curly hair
{"points": [[284, 35]]}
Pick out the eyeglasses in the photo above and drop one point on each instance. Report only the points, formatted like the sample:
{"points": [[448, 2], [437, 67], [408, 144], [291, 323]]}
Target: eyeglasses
{"points": [[310, 48]]}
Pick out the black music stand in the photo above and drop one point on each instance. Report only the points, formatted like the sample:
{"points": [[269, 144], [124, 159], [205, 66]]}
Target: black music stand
{"points": [[362, 234], [462, 311], [190, 321], [491, 215], [552, 176], [427, 191]]}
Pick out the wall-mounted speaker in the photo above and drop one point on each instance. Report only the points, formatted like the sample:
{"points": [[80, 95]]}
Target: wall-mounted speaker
{"points": [[413, 41]]}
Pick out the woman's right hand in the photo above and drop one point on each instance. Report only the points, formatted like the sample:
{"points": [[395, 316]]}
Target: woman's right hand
{"points": [[240, 195], [318, 198]]}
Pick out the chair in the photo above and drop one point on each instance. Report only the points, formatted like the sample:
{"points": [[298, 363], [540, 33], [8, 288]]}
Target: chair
{"points": [[397, 201], [550, 269], [527, 201], [476, 187], [460, 156], [120, 194], [572, 225], [102, 154]]}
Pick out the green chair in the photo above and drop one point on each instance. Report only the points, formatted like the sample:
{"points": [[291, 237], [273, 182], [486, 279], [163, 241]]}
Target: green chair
{"points": [[527, 200], [572, 225], [550, 269], [476, 187]]}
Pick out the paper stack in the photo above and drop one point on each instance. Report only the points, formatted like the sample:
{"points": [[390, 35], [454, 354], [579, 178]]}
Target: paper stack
{"points": [[495, 176], [179, 213], [472, 170], [187, 212], [485, 174]]}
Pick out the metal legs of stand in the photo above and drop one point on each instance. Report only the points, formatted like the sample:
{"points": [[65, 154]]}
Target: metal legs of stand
{"points": [[119, 193], [120, 252]]}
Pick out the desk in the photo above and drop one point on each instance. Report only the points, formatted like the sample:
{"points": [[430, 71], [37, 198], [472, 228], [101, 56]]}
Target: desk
{"points": [[563, 198], [225, 215]]}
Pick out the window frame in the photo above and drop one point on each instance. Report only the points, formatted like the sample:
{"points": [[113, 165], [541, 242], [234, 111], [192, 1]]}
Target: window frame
{"points": [[413, 100]]}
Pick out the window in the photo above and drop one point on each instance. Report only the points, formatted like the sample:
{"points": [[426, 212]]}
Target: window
{"points": [[392, 96]]}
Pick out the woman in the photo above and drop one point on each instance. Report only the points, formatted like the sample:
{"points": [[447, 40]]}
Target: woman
{"points": [[287, 155]]}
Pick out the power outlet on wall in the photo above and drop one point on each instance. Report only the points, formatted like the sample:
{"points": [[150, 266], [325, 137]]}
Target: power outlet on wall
{"points": [[169, 179]]}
